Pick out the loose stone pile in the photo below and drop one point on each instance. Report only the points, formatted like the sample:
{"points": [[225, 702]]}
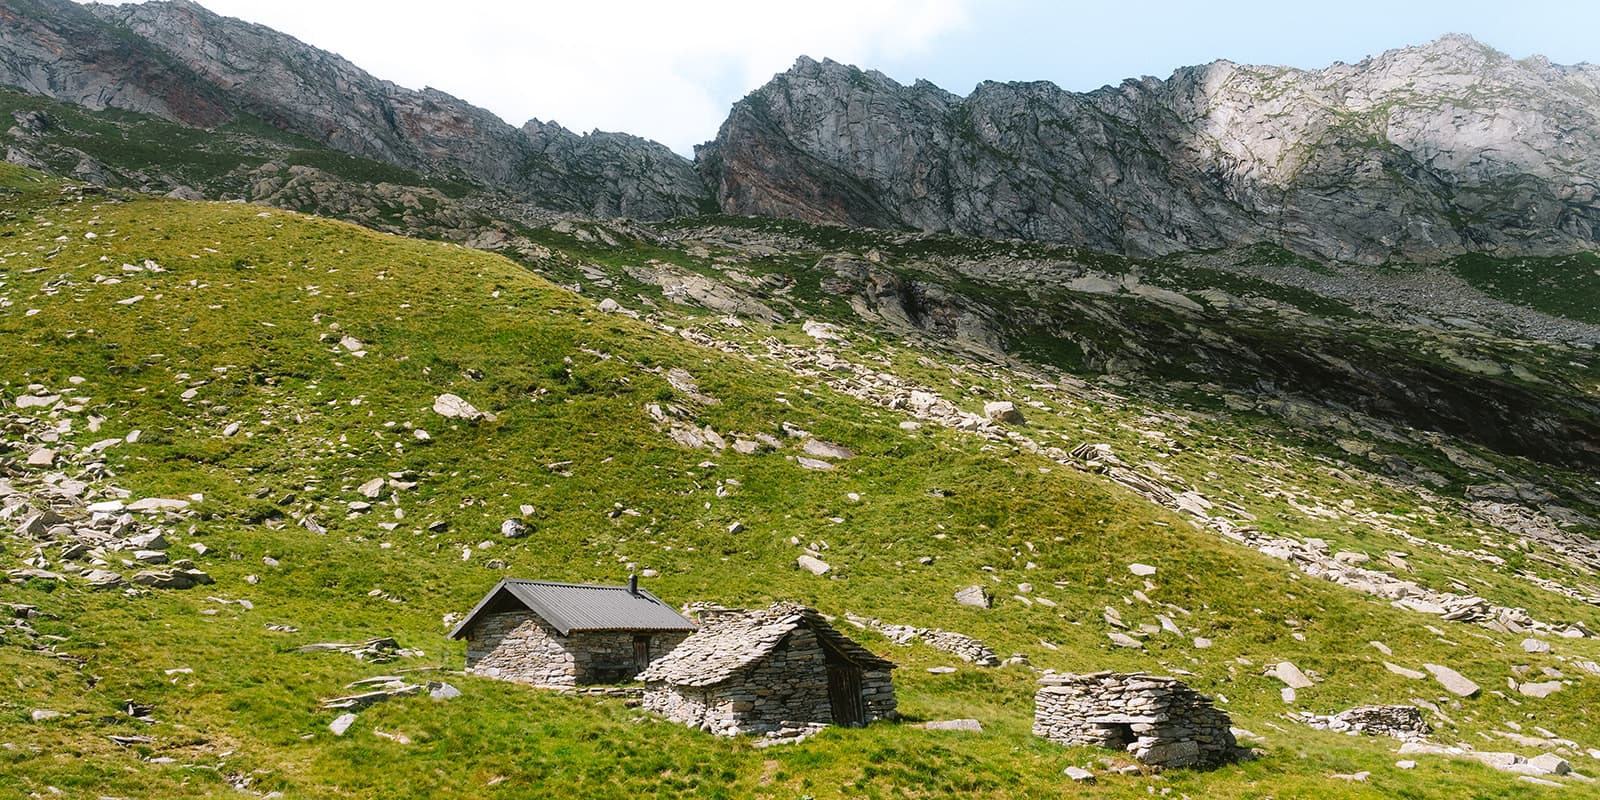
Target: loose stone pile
{"points": [[960, 645], [1158, 720], [71, 521], [1401, 722]]}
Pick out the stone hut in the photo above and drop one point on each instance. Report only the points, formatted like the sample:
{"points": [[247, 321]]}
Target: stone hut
{"points": [[568, 634], [1157, 720], [768, 670]]}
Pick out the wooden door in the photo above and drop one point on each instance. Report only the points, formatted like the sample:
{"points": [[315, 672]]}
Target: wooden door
{"points": [[641, 653], [844, 694]]}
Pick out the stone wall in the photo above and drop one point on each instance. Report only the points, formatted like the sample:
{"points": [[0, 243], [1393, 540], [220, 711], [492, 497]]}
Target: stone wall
{"points": [[877, 695], [1158, 720], [786, 688], [519, 646]]}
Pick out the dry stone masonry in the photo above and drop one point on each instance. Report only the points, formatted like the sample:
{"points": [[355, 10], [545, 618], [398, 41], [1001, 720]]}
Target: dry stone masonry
{"points": [[960, 645], [1401, 722], [1157, 720], [520, 647], [770, 670]]}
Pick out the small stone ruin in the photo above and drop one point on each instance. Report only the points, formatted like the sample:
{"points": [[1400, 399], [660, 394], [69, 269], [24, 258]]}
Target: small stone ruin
{"points": [[1401, 722], [1157, 720]]}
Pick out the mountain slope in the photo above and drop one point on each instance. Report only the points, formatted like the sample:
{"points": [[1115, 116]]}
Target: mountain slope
{"points": [[274, 364], [181, 62], [1414, 155]]}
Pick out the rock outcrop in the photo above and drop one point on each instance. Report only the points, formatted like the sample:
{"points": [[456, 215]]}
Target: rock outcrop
{"points": [[178, 61], [1415, 154]]}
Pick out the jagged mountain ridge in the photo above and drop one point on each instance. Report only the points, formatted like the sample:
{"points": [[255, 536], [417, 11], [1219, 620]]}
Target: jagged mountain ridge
{"points": [[1418, 154], [183, 63], [1414, 155]]}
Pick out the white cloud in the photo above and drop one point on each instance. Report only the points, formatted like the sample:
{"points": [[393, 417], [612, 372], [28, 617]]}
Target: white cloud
{"points": [[663, 70]]}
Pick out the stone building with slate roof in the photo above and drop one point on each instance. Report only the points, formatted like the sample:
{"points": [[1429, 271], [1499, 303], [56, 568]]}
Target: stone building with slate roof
{"points": [[568, 634], [768, 670]]}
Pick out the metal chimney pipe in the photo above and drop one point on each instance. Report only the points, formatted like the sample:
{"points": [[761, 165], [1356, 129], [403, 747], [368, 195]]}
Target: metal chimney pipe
{"points": [[633, 583]]}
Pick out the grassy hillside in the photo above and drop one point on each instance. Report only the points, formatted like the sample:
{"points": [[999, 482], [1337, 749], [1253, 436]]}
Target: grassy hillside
{"points": [[243, 325]]}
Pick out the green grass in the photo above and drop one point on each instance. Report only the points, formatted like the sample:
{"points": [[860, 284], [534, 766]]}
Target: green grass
{"points": [[247, 305], [214, 161], [1564, 286]]}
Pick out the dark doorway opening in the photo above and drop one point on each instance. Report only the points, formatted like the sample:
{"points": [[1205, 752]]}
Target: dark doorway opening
{"points": [[1119, 735]]}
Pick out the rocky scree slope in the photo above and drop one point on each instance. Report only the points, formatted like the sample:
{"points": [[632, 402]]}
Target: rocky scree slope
{"points": [[1436, 349], [282, 372], [183, 63], [1413, 155]]}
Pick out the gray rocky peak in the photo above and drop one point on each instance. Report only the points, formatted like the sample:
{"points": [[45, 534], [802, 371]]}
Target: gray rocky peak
{"points": [[1415, 154], [181, 62]]}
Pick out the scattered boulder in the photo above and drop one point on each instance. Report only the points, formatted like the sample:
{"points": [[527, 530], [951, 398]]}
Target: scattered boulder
{"points": [[1078, 774], [975, 596], [1453, 682], [1403, 672], [172, 578], [969, 725], [443, 691], [1541, 689], [1531, 645], [513, 529], [822, 449], [342, 723], [1291, 675], [104, 579], [813, 565], [1550, 764], [453, 407], [1142, 570], [1004, 412], [813, 464], [153, 504]]}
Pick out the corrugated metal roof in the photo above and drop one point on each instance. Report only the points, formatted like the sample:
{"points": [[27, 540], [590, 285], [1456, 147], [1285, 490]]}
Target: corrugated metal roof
{"points": [[571, 607]]}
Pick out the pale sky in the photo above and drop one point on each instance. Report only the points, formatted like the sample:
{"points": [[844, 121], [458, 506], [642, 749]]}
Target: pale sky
{"points": [[669, 70]]}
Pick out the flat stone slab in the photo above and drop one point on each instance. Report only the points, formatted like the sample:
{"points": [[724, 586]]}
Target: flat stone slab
{"points": [[157, 504], [974, 596], [815, 566], [1291, 676], [1542, 689], [1079, 774], [1125, 719], [1453, 682], [1403, 672], [968, 725]]}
